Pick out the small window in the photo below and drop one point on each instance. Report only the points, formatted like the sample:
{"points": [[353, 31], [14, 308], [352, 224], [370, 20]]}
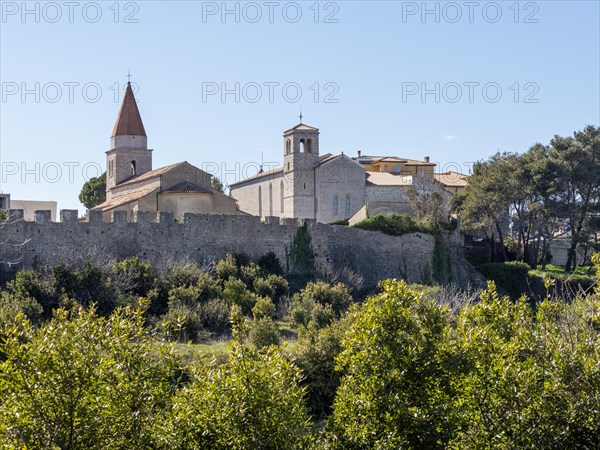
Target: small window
{"points": [[308, 146], [398, 168], [288, 147], [302, 146], [385, 168], [347, 206], [133, 168], [334, 209]]}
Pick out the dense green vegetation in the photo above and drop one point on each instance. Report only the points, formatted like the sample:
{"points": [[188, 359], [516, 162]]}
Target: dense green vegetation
{"points": [[93, 191], [399, 224], [517, 278], [549, 192], [94, 358]]}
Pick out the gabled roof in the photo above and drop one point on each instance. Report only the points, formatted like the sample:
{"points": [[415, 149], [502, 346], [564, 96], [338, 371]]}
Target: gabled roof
{"points": [[188, 188], [152, 174], [120, 200], [371, 159], [276, 171], [301, 127], [454, 179], [388, 179], [129, 121]]}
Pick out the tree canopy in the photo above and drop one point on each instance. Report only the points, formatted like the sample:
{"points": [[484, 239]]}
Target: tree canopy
{"points": [[93, 191]]}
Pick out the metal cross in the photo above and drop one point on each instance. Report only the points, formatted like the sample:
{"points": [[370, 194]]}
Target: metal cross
{"points": [[300, 114], [128, 77]]}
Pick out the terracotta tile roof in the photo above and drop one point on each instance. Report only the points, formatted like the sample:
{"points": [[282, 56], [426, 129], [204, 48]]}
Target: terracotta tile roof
{"points": [[453, 179], [388, 179], [129, 197], [152, 174], [370, 159], [129, 121], [277, 170], [301, 127], [265, 174]]}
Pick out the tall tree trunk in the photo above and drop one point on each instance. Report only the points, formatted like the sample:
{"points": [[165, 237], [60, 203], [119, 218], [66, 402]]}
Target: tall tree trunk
{"points": [[501, 238], [492, 241]]}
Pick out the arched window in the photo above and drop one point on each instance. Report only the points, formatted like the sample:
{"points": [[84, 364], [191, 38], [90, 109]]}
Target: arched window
{"points": [[398, 168], [288, 147], [334, 206], [308, 146], [133, 168], [302, 146], [347, 206], [385, 168]]}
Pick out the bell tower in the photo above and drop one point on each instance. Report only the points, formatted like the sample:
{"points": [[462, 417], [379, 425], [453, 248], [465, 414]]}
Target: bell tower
{"points": [[129, 155], [300, 159]]}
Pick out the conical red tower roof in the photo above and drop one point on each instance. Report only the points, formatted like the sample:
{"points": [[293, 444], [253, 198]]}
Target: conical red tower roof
{"points": [[129, 122]]}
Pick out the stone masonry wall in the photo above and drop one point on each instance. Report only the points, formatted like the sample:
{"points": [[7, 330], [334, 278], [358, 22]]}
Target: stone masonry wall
{"points": [[206, 238]]}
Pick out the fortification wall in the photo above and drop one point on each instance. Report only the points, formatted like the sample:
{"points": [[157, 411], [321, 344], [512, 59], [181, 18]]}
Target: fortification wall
{"points": [[158, 237]]}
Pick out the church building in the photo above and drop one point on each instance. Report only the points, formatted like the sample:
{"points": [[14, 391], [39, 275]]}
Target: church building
{"points": [[132, 184], [330, 187]]}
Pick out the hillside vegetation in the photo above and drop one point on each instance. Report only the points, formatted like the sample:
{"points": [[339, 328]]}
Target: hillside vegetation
{"points": [[107, 359]]}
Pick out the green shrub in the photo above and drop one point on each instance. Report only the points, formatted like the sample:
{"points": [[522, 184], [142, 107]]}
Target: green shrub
{"points": [[273, 286], [132, 276], [342, 222], [227, 268], [182, 323], [11, 305], [215, 315], [270, 264], [235, 293], [510, 277], [182, 274], [264, 307], [338, 295], [263, 333], [397, 225]]}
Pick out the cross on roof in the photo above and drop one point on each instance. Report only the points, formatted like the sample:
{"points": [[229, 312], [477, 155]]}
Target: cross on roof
{"points": [[128, 76], [300, 114]]}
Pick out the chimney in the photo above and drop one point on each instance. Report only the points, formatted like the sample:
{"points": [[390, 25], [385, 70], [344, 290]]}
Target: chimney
{"points": [[359, 153], [427, 159]]}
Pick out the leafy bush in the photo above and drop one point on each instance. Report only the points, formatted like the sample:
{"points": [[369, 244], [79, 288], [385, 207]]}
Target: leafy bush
{"points": [[263, 333], [215, 315], [132, 275], [273, 286], [511, 277], [12, 305], [264, 307], [342, 222], [397, 225], [270, 264], [182, 323], [235, 293], [338, 295], [315, 353], [255, 401], [81, 381]]}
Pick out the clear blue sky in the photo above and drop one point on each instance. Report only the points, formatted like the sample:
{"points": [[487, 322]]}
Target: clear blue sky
{"points": [[377, 58]]}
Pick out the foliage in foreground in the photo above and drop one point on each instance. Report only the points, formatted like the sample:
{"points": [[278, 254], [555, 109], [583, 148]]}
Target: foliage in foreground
{"points": [[498, 375], [401, 371]]}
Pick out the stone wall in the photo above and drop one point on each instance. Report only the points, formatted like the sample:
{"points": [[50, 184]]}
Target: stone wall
{"points": [[158, 237]]}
